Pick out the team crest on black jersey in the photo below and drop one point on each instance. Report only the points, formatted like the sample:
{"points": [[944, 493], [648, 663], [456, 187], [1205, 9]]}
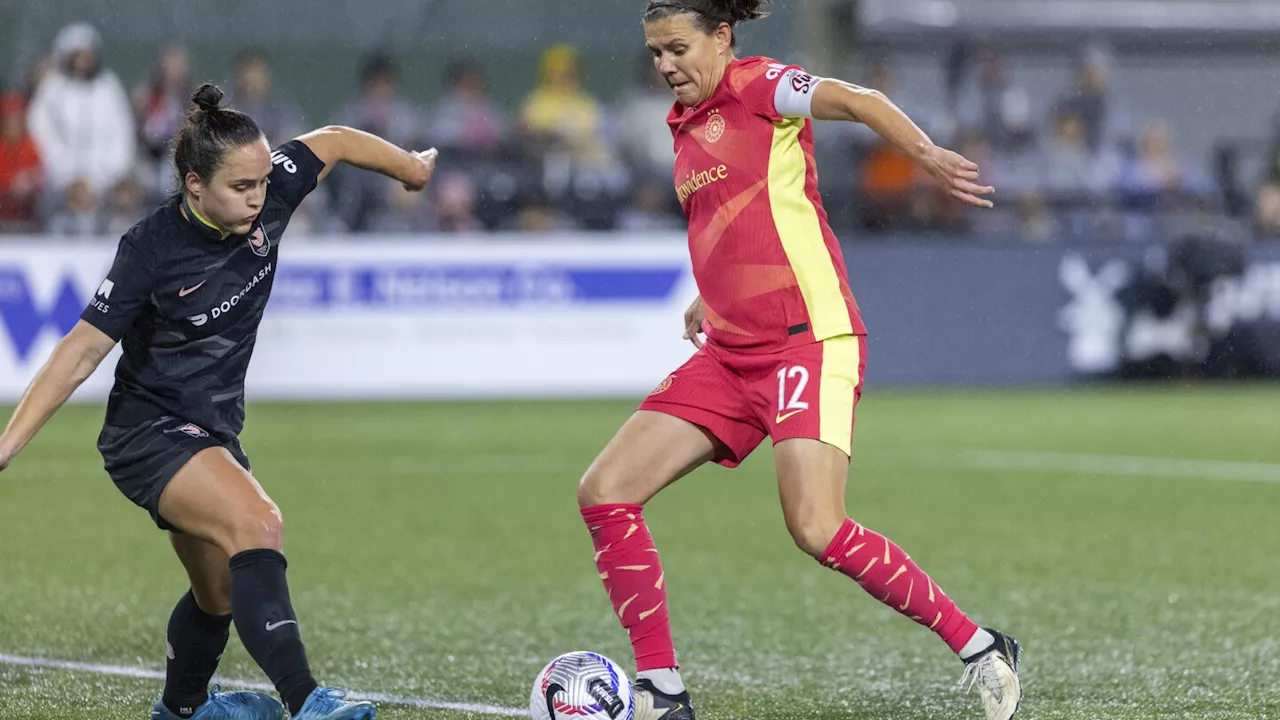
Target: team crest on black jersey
{"points": [[259, 243], [193, 430]]}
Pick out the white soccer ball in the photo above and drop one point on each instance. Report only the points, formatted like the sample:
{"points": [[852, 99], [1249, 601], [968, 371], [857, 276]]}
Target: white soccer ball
{"points": [[581, 686]]}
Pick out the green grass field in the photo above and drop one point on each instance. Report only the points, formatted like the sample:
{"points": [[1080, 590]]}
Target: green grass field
{"points": [[436, 552]]}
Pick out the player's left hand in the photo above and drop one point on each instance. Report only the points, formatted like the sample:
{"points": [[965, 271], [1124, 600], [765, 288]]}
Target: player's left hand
{"points": [[6, 457], [958, 176], [423, 173], [693, 322]]}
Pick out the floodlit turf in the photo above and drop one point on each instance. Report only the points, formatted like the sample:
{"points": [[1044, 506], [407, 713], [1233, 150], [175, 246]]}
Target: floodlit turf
{"points": [[436, 552]]}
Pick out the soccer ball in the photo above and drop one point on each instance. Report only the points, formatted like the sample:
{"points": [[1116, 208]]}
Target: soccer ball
{"points": [[581, 686]]}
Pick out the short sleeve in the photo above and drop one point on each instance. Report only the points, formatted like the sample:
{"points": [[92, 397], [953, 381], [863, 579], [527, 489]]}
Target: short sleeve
{"points": [[781, 91], [294, 173], [123, 295]]}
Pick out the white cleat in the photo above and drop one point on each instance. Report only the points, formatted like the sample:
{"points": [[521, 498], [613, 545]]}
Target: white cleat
{"points": [[995, 674]]}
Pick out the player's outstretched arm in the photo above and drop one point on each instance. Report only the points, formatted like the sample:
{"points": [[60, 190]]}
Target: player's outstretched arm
{"points": [[336, 143], [73, 361], [838, 100]]}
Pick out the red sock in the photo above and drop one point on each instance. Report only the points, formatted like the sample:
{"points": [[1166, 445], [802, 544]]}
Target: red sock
{"points": [[632, 573], [889, 575]]}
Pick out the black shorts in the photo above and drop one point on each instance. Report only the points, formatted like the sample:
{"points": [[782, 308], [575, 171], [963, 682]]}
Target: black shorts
{"points": [[142, 459]]}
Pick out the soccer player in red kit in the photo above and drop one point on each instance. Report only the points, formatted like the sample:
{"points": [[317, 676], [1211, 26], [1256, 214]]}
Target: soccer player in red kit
{"points": [[785, 345]]}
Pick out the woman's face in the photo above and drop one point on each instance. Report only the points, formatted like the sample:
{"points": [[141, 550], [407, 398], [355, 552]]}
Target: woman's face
{"points": [[233, 197], [690, 60]]}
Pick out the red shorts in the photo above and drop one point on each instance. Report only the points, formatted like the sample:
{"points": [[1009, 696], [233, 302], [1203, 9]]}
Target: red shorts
{"points": [[807, 391]]}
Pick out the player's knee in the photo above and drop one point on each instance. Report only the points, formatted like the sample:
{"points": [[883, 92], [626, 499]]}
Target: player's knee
{"points": [[213, 600], [261, 527], [599, 486], [590, 490], [813, 535]]}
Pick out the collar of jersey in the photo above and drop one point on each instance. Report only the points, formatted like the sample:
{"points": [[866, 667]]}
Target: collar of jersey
{"points": [[207, 230]]}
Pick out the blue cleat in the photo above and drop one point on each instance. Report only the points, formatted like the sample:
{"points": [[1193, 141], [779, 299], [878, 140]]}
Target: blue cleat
{"points": [[240, 705], [332, 704]]}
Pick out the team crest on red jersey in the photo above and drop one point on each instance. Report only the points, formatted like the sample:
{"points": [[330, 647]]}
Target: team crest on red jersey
{"points": [[715, 127], [662, 386], [259, 243]]}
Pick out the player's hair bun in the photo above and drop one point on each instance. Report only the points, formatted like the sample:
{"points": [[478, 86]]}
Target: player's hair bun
{"points": [[710, 13], [736, 11], [208, 98]]}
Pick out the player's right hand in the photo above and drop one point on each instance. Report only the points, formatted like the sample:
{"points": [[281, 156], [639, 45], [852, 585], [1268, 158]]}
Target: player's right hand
{"points": [[6, 457], [693, 322], [958, 176], [426, 168]]}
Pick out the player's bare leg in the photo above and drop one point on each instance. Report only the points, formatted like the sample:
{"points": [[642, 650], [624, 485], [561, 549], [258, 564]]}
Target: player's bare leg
{"points": [[811, 485], [650, 451], [213, 499]]}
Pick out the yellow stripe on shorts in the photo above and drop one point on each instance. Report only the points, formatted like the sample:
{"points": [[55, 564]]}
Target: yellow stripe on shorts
{"points": [[840, 359]]}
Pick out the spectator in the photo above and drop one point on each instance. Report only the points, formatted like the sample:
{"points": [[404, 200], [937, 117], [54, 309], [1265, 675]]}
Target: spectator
{"points": [[1267, 212], [561, 115], [1106, 121], [990, 103], [1155, 175], [19, 166], [643, 134], [160, 106], [80, 117], [403, 212], [649, 211], [1069, 168], [537, 214], [379, 109], [125, 207], [253, 95], [78, 214], [456, 204], [466, 118]]}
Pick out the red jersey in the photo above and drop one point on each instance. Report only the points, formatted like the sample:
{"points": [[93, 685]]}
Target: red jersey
{"points": [[767, 264]]}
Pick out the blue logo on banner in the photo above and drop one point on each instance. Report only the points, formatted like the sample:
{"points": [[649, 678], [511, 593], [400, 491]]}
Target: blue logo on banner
{"points": [[24, 319], [426, 286]]}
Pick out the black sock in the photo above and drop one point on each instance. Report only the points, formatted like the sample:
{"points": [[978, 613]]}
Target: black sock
{"points": [[194, 643], [267, 626]]}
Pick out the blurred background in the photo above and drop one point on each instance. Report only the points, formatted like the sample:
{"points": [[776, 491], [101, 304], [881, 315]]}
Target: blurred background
{"points": [[1135, 148]]}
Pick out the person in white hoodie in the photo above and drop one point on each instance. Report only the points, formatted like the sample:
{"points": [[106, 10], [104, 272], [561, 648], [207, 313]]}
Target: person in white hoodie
{"points": [[80, 117]]}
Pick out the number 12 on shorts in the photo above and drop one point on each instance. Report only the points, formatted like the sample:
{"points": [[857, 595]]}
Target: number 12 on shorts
{"points": [[798, 377]]}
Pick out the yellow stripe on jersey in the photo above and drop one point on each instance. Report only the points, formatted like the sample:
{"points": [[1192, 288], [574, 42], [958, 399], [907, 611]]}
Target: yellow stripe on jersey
{"points": [[840, 360], [796, 220]]}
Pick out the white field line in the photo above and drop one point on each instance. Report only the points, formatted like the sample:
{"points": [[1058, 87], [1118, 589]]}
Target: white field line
{"points": [[143, 673], [1127, 465]]}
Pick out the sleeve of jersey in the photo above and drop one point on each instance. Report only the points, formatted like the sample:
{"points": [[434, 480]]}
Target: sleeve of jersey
{"points": [[123, 294], [294, 173], [784, 91]]}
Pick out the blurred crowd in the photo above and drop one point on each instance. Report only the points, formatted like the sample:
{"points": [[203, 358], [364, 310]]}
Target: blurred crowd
{"points": [[81, 153], [1083, 168]]}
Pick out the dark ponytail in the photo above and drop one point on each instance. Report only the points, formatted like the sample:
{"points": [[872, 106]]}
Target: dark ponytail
{"points": [[209, 131], [708, 14]]}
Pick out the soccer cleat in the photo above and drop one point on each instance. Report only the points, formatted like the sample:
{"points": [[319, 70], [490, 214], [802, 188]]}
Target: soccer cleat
{"points": [[995, 673], [650, 703], [241, 705], [332, 704]]}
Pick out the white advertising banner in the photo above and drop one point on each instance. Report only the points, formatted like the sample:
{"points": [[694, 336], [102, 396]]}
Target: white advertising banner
{"points": [[370, 318]]}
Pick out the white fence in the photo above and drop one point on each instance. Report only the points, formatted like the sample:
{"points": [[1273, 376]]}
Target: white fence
{"points": [[375, 318]]}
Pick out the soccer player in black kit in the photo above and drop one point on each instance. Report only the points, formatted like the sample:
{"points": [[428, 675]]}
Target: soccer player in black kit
{"points": [[185, 295]]}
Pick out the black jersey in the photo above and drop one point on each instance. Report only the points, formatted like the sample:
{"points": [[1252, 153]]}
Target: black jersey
{"points": [[187, 305]]}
